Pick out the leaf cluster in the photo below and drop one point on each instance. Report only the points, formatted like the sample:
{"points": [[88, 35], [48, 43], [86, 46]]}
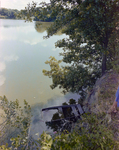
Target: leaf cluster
{"points": [[70, 78], [40, 13], [15, 129]]}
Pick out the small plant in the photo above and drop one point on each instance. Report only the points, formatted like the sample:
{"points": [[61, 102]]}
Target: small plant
{"points": [[15, 130], [45, 141]]}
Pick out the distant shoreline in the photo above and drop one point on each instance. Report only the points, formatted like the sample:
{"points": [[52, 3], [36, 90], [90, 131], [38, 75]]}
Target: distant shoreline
{"points": [[4, 17]]}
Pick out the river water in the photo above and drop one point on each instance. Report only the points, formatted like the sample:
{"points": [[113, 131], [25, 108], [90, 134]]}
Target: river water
{"points": [[23, 53]]}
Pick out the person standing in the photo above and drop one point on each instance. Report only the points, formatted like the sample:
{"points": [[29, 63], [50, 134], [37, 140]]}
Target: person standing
{"points": [[115, 103]]}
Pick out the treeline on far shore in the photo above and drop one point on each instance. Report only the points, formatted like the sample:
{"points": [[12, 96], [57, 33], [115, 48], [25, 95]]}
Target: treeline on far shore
{"points": [[8, 13], [16, 14]]}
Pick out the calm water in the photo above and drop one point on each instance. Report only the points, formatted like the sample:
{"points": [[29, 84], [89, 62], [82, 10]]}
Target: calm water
{"points": [[23, 53]]}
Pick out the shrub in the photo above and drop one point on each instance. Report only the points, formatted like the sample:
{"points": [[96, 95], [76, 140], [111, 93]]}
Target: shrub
{"points": [[92, 132]]}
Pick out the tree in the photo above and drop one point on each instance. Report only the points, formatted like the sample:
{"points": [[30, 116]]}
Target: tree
{"points": [[90, 26], [40, 13], [89, 21]]}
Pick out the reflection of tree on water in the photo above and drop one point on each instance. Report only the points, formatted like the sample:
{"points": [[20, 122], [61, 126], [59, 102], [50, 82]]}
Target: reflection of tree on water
{"points": [[64, 117], [42, 27], [56, 122]]}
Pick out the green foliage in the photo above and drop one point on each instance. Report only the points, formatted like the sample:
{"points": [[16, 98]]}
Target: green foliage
{"points": [[45, 141], [92, 132], [40, 13], [15, 129], [74, 78]]}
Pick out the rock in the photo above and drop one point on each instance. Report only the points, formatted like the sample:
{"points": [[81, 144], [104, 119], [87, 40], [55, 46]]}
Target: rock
{"points": [[101, 98]]}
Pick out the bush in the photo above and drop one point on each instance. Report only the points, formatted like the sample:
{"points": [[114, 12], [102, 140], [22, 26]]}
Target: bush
{"points": [[15, 130], [91, 133]]}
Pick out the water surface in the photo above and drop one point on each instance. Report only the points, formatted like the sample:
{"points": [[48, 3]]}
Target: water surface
{"points": [[23, 53]]}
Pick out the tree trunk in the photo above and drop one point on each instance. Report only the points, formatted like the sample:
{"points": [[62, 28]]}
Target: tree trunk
{"points": [[104, 59], [104, 54]]}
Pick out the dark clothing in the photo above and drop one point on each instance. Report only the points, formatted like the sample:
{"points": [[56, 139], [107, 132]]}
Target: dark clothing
{"points": [[117, 97]]}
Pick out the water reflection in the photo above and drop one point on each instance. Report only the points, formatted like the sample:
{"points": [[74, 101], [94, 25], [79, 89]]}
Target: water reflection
{"points": [[38, 121], [23, 54], [3, 62], [42, 26]]}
